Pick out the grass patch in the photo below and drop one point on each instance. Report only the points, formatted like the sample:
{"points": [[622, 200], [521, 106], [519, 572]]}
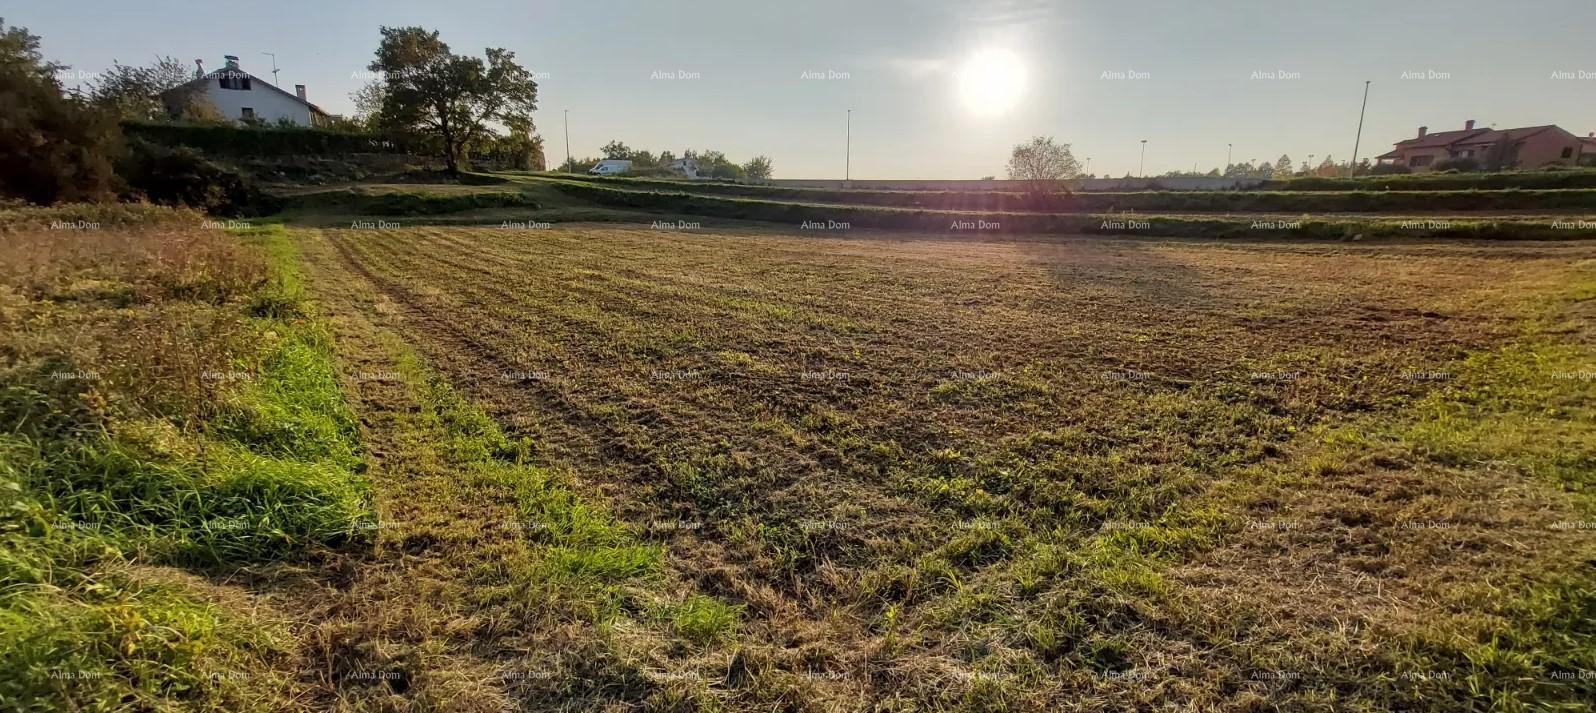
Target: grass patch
{"points": [[177, 426]]}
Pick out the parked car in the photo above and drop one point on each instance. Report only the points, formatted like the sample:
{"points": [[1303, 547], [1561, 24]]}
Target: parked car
{"points": [[610, 167]]}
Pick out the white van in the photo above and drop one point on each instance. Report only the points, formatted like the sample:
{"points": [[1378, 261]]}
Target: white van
{"points": [[610, 167]]}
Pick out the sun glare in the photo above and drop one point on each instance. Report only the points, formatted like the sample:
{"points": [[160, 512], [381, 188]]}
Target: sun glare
{"points": [[991, 82]]}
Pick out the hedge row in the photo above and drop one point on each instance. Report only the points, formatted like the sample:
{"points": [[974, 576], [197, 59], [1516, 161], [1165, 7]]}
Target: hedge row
{"points": [[1528, 180], [258, 141], [358, 201], [1172, 201], [822, 218]]}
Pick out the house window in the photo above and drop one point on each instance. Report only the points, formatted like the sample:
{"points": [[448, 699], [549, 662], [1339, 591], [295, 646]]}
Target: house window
{"points": [[249, 113], [1419, 160], [1568, 153]]}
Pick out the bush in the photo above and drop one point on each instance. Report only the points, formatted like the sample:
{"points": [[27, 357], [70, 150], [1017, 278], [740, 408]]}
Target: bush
{"points": [[1389, 169], [181, 176], [55, 146], [257, 141], [1458, 165]]}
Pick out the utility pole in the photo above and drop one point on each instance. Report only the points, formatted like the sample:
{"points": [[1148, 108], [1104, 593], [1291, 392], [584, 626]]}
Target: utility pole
{"points": [[568, 139], [1352, 166], [847, 151], [1230, 149], [1088, 165], [274, 67], [1141, 171]]}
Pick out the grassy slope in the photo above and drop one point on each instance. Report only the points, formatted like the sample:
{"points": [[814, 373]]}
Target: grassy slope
{"points": [[1279, 201], [837, 216]]}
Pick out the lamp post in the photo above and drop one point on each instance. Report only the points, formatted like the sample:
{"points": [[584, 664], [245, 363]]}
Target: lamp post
{"points": [[1352, 166], [1230, 149], [1141, 170], [1088, 165], [568, 139], [847, 151]]}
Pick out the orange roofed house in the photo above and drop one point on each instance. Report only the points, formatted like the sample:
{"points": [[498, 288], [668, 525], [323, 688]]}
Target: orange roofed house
{"points": [[1529, 147]]}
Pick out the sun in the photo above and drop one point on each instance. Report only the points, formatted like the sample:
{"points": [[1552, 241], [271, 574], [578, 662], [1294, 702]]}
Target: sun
{"points": [[991, 82]]}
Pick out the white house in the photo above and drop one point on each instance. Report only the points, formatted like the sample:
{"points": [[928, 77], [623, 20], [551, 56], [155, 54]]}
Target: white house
{"points": [[688, 167], [241, 96]]}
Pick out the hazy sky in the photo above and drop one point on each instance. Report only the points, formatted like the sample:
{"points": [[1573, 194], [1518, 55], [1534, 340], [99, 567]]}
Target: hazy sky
{"points": [[1188, 67]]}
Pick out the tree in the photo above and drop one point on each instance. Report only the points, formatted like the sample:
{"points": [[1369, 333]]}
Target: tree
{"points": [[135, 93], [1283, 165], [368, 103], [57, 147], [757, 168], [615, 149], [1043, 163], [432, 91]]}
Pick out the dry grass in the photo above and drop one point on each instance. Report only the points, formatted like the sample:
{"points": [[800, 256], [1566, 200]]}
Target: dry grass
{"points": [[1022, 475]]}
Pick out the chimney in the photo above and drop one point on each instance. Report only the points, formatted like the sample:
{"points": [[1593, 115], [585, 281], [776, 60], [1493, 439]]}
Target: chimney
{"points": [[1423, 130], [199, 68], [300, 90], [1468, 125], [232, 60]]}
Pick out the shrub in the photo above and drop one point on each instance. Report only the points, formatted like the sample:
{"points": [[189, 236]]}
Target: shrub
{"points": [[1389, 169], [1458, 165], [257, 141], [181, 176], [55, 146]]}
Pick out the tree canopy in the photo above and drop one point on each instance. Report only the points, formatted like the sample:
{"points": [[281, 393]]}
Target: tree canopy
{"points": [[1043, 162], [431, 91]]}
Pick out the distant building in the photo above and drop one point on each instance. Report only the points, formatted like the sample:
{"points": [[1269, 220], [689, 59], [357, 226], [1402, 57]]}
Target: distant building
{"points": [[1528, 147], [246, 98], [688, 167]]}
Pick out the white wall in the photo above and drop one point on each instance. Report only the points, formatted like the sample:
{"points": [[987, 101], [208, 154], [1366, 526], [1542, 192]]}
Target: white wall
{"points": [[269, 104]]}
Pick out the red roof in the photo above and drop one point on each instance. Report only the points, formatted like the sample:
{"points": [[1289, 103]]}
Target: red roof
{"points": [[1440, 138], [1470, 137]]}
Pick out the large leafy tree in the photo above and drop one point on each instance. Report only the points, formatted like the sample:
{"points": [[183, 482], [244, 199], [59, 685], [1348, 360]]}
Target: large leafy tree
{"points": [[132, 92], [452, 98], [757, 168], [1043, 163], [616, 149]]}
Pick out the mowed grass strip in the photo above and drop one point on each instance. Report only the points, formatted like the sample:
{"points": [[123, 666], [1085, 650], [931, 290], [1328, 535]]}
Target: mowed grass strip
{"points": [[498, 583], [984, 473]]}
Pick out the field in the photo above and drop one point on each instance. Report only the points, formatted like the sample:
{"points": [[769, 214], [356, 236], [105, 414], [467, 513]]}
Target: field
{"points": [[365, 461], [922, 473]]}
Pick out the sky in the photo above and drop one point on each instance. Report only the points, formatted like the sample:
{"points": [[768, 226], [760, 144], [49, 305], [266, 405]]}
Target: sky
{"points": [[937, 89]]}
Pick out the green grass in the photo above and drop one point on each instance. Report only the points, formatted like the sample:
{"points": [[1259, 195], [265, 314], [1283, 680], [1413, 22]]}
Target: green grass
{"points": [[96, 492], [410, 200]]}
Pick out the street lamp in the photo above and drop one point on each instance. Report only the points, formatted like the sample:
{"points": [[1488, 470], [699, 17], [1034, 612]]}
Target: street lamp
{"points": [[1141, 170], [568, 139], [1352, 166], [1229, 150], [847, 151], [1088, 165]]}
